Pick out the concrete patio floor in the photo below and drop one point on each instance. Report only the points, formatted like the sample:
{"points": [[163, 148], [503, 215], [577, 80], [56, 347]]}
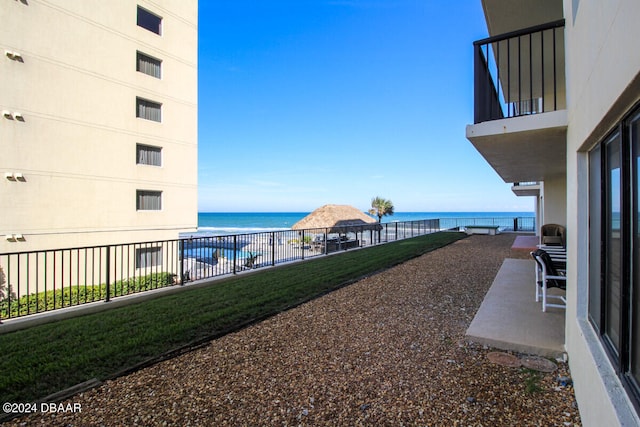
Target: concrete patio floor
{"points": [[509, 318]]}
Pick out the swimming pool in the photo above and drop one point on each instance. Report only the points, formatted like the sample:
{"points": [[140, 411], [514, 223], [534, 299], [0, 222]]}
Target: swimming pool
{"points": [[208, 254]]}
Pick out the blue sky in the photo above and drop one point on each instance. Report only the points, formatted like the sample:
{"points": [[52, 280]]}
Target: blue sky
{"points": [[309, 102]]}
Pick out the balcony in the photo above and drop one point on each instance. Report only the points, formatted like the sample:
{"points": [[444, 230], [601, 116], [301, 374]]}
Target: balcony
{"points": [[526, 188], [520, 73], [520, 117]]}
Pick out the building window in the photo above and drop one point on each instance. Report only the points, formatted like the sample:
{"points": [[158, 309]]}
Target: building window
{"points": [[148, 200], [614, 240], [149, 21], [148, 155], [148, 65], [148, 110], [148, 257]]}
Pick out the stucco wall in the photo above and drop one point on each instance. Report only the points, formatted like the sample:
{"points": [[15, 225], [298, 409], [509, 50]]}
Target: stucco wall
{"points": [[76, 88], [555, 196], [602, 64]]}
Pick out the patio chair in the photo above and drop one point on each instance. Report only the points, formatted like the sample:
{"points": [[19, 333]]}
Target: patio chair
{"points": [[548, 275], [552, 234]]}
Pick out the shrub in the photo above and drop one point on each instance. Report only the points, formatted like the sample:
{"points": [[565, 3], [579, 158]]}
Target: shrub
{"points": [[80, 294]]}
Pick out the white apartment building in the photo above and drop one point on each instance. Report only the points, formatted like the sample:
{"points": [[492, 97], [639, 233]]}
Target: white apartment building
{"points": [[98, 125], [558, 108]]}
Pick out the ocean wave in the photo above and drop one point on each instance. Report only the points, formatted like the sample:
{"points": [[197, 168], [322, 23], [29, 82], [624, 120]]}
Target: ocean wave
{"points": [[242, 229], [223, 231]]}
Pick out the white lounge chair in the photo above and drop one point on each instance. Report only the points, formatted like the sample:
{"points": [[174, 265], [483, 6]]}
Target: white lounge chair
{"points": [[548, 276]]}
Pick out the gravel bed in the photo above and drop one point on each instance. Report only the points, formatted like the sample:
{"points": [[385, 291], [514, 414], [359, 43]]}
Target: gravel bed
{"points": [[387, 350]]}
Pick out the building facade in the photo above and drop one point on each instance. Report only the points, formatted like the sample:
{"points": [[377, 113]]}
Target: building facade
{"points": [[558, 107], [99, 122]]}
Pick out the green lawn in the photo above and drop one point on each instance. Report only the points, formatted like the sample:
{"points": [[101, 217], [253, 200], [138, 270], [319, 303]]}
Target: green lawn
{"points": [[48, 358]]}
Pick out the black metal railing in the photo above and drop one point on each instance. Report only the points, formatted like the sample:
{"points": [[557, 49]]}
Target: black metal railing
{"points": [[41, 281], [513, 224], [520, 73]]}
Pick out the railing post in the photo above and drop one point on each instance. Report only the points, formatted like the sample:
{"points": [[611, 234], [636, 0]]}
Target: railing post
{"points": [[8, 282], [478, 85], [108, 274], [326, 237], [181, 259], [273, 248], [302, 244], [235, 253], [515, 224]]}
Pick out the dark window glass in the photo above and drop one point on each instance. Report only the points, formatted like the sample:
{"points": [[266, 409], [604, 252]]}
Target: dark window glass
{"points": [[149, 20]]}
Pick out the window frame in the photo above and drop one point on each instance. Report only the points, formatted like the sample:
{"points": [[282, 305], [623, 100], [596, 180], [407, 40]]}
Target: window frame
{"points": [[154, 149], [144, 205], [157, 63], [148, 257], [601, 246], [149, 108], [609, 287]]}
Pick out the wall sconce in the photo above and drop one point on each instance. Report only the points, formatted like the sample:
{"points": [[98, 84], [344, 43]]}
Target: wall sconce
{"points": [[18, 116], [13, 55], [7, 114], [10, 238], [15, 238], [14, 176]]}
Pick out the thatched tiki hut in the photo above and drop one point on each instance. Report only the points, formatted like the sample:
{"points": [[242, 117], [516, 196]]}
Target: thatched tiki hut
{"points": [[341, 219], [338, 219]]}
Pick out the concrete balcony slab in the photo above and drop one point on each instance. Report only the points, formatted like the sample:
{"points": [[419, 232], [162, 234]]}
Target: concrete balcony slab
{"points": [[509, 318], [523, 149]]}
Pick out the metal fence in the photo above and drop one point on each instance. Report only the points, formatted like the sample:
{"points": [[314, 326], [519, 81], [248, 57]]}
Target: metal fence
{"points": [[524, 224], [40, 281]]}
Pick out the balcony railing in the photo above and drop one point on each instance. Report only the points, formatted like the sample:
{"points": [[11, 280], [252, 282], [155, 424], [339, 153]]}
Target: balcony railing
{"points": [[40, 281], [520, 73]]}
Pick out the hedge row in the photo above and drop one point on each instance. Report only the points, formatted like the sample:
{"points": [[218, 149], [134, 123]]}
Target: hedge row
{"points": [[80, 294]]}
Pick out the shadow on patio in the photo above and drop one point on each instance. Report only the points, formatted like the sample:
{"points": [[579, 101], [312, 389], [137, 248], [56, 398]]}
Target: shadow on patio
{"points": [[510, 318]]}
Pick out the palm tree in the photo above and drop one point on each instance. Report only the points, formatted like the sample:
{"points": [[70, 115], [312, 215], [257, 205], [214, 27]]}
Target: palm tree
{"points": [[381, 207]]}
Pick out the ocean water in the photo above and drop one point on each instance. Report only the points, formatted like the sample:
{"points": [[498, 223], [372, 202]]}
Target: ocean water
{"points": [[225, 223]]}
